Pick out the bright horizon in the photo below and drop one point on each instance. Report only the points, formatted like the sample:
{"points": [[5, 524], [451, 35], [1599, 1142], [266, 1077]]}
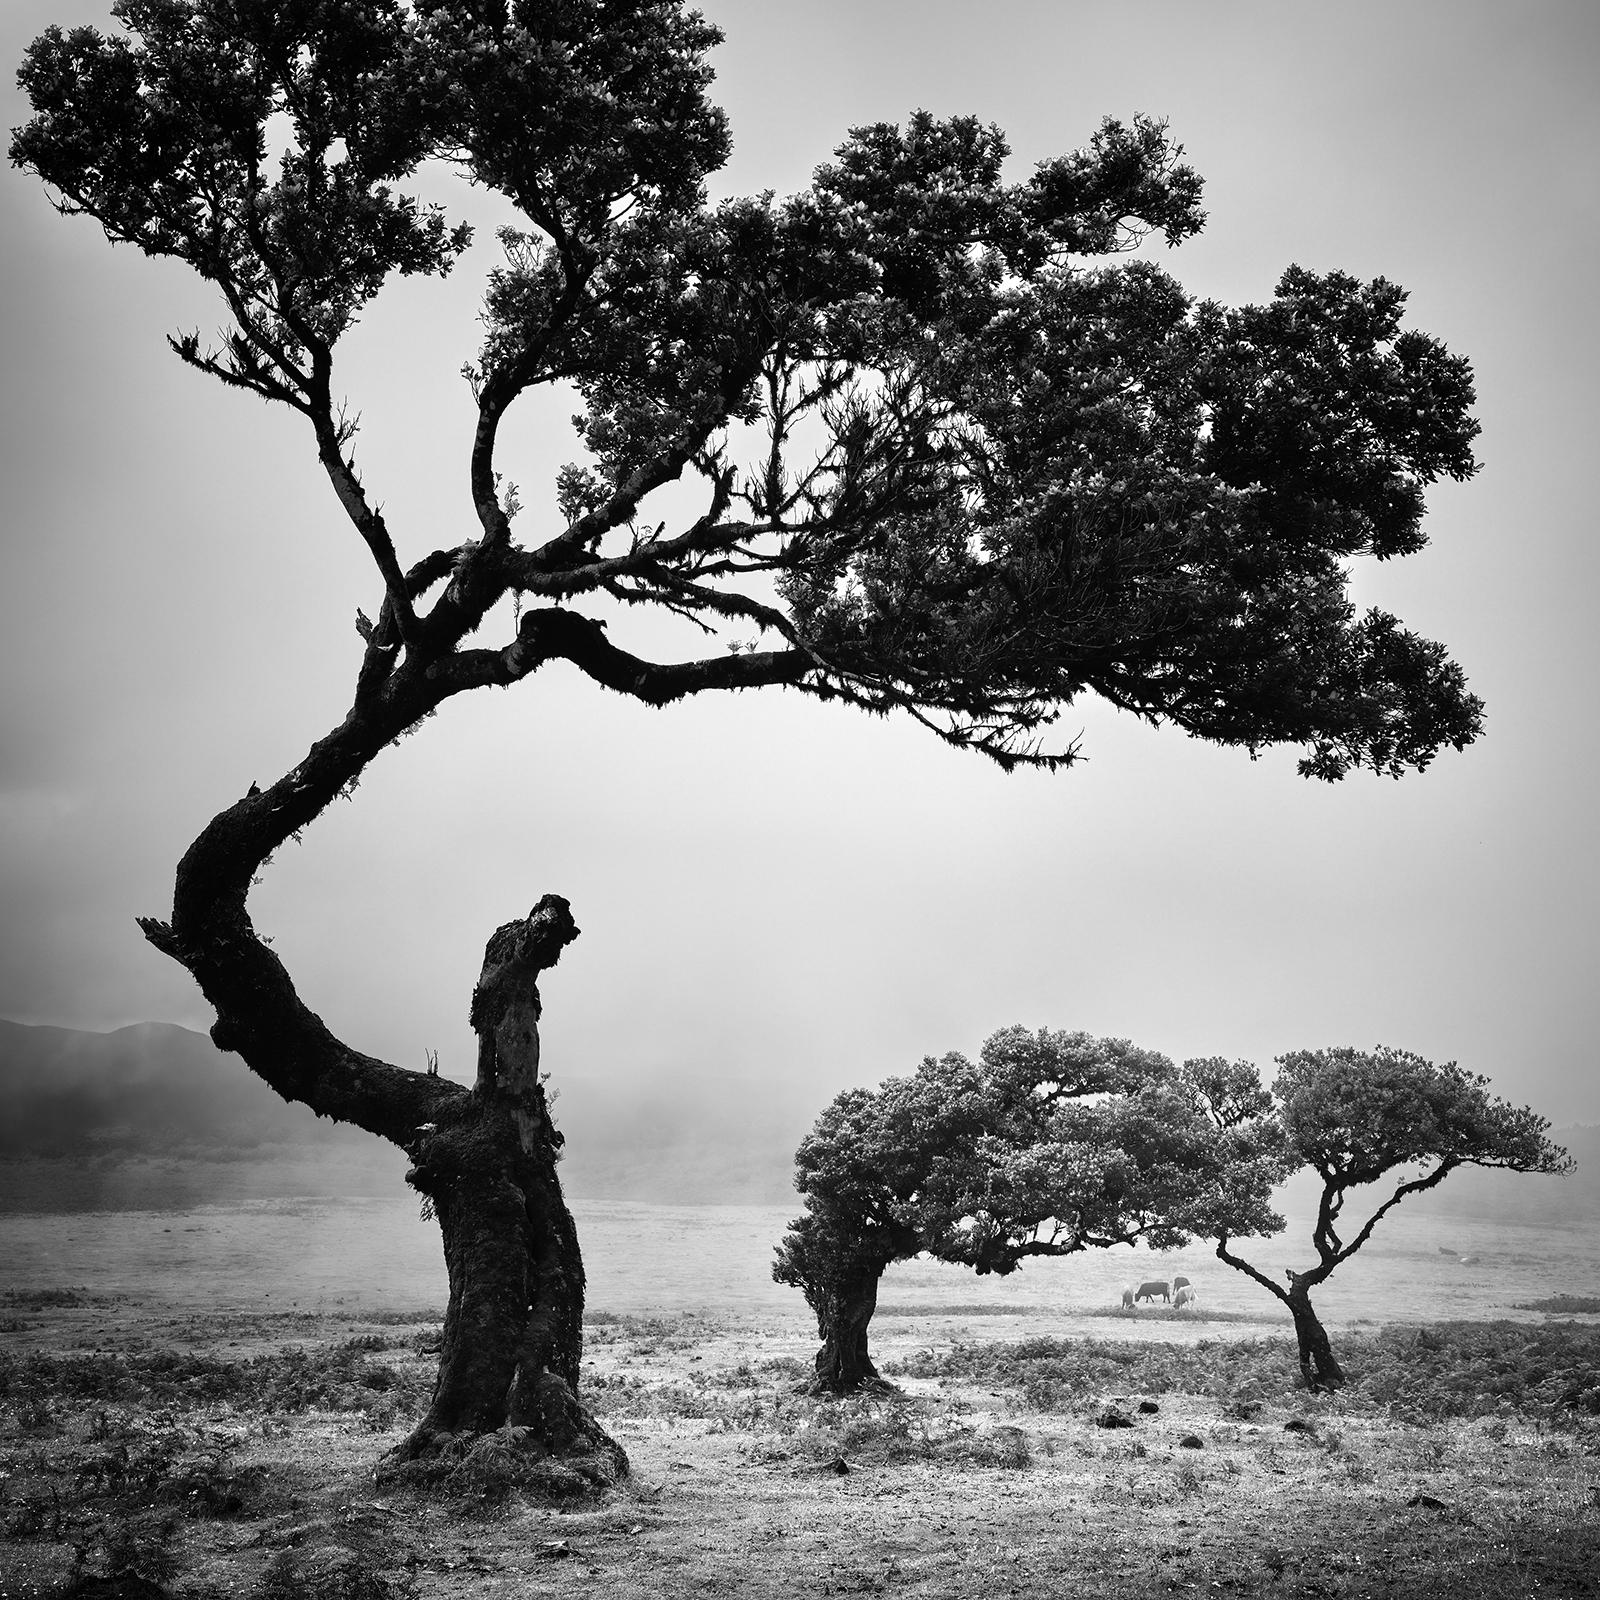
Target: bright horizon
{"points": [[773, 887]]}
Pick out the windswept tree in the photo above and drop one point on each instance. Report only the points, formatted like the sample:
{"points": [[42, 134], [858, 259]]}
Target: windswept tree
{"points": [[1357, 1118], [1049, 1144], [951, 460]]}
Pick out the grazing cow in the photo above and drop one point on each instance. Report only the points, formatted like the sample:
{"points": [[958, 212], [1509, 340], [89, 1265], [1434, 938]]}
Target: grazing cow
{"points": [[1149, 1291], [1185, 1297], [1180, 1282], [1127, 1299]]}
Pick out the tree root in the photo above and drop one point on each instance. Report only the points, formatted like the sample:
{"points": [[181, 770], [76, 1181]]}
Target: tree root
{"points": [[875, 1388], [489, 1466]]}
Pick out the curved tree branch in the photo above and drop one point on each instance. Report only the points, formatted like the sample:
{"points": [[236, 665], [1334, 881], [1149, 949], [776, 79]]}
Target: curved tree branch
{"points": [[259, 1013], [550, 634], [383, 638], [367, 520], [1416, 1186], [1241, 1265]]}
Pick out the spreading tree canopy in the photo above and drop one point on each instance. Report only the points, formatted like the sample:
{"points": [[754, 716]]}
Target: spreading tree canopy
{"points": [[1358, 1118], [958, 455], [1049, 1144]]}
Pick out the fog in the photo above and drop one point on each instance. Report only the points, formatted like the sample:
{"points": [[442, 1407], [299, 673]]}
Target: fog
{"points": [[154, 1117], [787, 896]]}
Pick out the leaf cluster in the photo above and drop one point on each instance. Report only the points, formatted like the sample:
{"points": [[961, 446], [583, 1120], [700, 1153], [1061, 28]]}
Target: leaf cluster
{"points": [[1353, 1116], [1049, 1144], [959, 458], [1359, 1118]]}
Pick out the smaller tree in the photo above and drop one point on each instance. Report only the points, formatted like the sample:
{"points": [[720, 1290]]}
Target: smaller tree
{"points": [[1050, 1144], [1355, 1118]]}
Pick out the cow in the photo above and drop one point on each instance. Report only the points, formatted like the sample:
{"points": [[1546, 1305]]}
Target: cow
{"points": [[1180, 1282], [1127, 1299], [1185, 1297], [1149, 1291]]}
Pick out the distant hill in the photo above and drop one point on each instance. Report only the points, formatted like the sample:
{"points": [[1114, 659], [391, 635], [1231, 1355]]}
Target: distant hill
{"points": [[152, 1089], [155, 1116]]}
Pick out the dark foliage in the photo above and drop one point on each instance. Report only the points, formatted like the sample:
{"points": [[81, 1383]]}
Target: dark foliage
{"points": [[1358, 1118], [1050, 1144], [340, 1379]]}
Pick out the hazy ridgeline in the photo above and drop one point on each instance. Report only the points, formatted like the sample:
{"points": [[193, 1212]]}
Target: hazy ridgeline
{"points": [[155, 1117]]}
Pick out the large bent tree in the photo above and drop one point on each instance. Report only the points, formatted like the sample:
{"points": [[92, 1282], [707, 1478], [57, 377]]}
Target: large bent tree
{"points": [[1358, 1118], [951, 461], [1049, 1144]]}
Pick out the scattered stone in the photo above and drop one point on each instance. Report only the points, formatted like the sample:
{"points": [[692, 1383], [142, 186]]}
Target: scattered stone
{"points": [[1149, 1407], [1299, 1425], [1191, 1441], [554, 1549], [839, 1466], [1112, 1418], [1428, 1502]]}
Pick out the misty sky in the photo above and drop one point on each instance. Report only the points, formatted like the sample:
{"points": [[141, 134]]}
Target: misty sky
{"points": [[768, 886]]}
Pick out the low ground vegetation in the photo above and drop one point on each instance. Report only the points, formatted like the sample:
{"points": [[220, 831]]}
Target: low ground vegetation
{"points": [[232, 1457], [1411, 1374]]}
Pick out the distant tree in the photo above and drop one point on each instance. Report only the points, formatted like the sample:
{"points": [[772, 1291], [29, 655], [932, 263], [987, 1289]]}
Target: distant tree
{"points": [[949, 465], [1356, 1117], [1050, 1144]]}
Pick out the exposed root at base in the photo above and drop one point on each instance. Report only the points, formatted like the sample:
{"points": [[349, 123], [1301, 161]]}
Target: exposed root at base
{"points": [[873, 1388], [489, 1466]]}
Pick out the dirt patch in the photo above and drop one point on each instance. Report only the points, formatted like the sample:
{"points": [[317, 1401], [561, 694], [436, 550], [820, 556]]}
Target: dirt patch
{"points": [[233, 1456]]}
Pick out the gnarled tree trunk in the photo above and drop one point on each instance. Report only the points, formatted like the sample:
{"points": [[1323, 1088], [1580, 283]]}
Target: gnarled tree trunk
{"points": [[484, 1157], [1318, 1368], [844, 1307], [513, 1336]]}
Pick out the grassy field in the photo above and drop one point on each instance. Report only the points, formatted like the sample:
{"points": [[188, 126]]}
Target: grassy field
{"points": [[146, 1454]]}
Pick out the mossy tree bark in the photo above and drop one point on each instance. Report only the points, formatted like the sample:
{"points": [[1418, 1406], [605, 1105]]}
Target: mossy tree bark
{"points": [[844, 1306], [513, 1332], [1318, 1368]]}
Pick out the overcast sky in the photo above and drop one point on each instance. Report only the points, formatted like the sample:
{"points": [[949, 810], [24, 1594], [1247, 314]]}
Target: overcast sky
{"points": [[773, 887]]}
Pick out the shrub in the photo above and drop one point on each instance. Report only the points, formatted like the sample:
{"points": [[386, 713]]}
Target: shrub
{"points": [[1417, 1373], [143, 1547], [290, 1380], [894, 1432], [35, 1416], [328, 1572], [44, 1299]]}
